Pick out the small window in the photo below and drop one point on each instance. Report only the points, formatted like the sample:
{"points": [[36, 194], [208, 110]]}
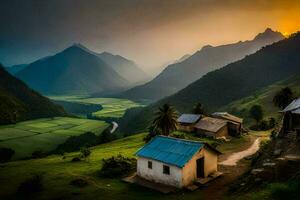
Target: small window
{"points": [[149, 164], [166, 169]]}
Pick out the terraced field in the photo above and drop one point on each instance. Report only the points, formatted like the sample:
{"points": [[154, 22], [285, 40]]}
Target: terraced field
{"points": [[112, 107], [45, 134]]}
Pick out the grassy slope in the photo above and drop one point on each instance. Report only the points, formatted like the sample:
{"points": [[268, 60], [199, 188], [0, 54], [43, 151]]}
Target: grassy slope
{"points": [[45, 134], [264, 98], [59, 172], [112, 107]]}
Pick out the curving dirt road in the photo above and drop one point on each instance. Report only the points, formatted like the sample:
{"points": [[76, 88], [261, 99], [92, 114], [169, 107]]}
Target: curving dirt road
{"points": [[233, 159], [232, 169]]}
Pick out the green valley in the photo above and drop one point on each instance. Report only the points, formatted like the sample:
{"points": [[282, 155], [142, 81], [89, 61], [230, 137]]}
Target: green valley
{"points": [[45, 134], [111, 107]]}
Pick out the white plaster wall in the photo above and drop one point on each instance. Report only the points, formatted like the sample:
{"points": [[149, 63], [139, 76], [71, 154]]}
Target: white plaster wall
{"points": [[156, 173]]}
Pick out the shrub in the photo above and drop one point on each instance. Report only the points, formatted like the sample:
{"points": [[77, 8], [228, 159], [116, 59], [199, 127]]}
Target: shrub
{"points": [[85, 152], [272, 122], [117, 166], [31, 185], [79, 182], [149, 136], [264, 125], [178, 135], [6, 154], [290, 190], [76, 159], [106, 136]]}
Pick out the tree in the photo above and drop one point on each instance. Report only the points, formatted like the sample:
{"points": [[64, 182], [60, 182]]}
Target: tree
{"points": [[198, 109], [256, 112], [283, 97], [165, 119]]}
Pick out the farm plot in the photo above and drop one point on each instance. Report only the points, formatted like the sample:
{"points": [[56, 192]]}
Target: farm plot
{"points": [[45, 134], [111, 107]]}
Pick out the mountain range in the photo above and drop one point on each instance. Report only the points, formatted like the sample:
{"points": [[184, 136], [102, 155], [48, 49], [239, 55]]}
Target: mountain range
{"points": [[234, 81], [15, 68], [180, 74], [18, 102], [77, 70]]}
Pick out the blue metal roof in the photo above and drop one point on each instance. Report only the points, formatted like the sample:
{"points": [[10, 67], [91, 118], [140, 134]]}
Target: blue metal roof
{"points": [[169, 150], [188, 118]]}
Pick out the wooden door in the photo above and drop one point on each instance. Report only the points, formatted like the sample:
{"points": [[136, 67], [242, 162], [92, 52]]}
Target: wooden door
{"points": [[200, 168]]}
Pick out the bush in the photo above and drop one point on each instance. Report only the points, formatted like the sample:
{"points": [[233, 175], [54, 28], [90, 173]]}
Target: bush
{"points": [[117, 166], [88, 139], [76, 159], [178, 135], [264, 125], [31, 185], [6, 154], [79, 182], [148, 137], [85, 152]]}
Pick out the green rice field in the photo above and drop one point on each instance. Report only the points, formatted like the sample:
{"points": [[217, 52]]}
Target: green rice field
{"points": [[45, 134], [112, 107]]}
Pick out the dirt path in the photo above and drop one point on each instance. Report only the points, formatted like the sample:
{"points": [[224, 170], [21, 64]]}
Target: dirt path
{"points": [[233, 159], [232, 169]]}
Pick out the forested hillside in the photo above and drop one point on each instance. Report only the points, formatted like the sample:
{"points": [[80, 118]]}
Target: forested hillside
{"points": [[234, 81], [18, 102]]}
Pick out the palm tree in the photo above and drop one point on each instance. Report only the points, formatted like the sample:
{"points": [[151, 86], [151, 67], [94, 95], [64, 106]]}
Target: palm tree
{"points": [[283, 97], [165, 119]]}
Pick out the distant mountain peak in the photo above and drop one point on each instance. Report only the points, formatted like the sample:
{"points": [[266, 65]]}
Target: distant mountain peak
{"points": [[206, 47], [268, 34]]}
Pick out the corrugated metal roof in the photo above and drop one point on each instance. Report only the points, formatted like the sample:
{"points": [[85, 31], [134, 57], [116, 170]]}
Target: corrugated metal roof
{"points": [[170, 150], [227, 116], [292, 106], [210, 124], [188, 118], [297, 111]]}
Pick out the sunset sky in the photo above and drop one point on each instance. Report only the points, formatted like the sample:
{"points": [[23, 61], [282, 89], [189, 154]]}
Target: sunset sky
{"points": [[151, 32]]}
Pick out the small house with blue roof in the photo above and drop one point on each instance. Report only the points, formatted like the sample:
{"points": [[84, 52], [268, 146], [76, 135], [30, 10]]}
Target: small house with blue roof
{"points": [[176, 162]]}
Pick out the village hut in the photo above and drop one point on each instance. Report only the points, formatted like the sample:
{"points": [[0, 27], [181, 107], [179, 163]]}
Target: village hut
{"points": [[234, 123], [291, 118], [212, 127], [176, 162], [186, 122]]}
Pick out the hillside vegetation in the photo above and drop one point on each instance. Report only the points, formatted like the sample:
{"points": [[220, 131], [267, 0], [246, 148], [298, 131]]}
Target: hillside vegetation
{"points": [[59, 172], [263, 97], [235, 81], [18, 102], [177, 76]]}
